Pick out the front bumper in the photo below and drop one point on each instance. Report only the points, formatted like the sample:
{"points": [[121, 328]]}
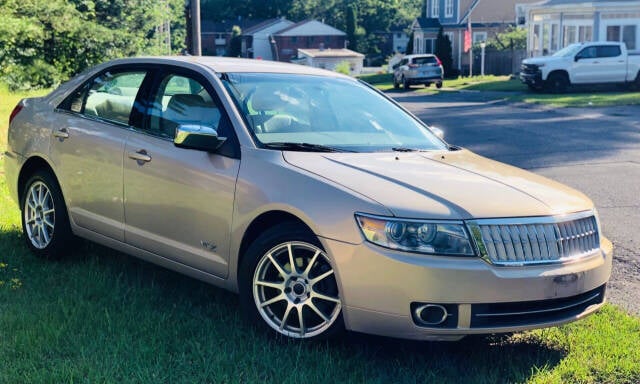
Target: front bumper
{"points": [[533, 79], [380, 287]]}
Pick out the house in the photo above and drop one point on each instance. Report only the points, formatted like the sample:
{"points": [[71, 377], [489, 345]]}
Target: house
{"points": [[307, 34], [216, 36], [330, 58], [256, 42], [393, 41], [486, 17], [554, 24]]}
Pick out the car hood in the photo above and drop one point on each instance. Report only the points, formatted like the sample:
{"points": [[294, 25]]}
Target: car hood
{"points": [[443, 184], [544, 60]]}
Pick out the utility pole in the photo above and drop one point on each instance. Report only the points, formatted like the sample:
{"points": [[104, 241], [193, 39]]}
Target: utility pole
{"points": [[196, 48]]}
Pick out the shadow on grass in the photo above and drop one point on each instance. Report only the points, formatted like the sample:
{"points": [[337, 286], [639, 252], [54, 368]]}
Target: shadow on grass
{"points": [[100, 314]]}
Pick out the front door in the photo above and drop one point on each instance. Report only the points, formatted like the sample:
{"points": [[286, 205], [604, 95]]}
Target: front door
{"points": [[179, 202]]}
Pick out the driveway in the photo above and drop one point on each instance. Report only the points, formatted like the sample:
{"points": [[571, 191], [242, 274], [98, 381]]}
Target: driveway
{"points": [[596, 150]]}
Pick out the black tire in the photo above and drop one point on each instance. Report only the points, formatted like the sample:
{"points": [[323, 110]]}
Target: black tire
{"points": [[558, 82], [396, 85], [406, 84], [45, 221], [439, 85], [257, 265]]}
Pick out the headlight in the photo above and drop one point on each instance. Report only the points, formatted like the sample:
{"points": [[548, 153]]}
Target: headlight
{"points": [[421, 236]]}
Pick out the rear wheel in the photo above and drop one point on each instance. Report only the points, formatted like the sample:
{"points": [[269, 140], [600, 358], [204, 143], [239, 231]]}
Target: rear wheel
{"points": [[558, 82], [45, 221], [439, 85], [288, 284], [396, 85]]}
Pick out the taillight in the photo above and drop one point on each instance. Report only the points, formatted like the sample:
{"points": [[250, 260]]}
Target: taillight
{"points": [[15, 111], [438, 60]]}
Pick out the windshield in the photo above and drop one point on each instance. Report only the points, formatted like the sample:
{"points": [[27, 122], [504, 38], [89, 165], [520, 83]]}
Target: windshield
{"points": [[569, 50], [323, 111]]}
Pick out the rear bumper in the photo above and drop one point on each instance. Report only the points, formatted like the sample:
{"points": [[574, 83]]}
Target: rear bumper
{"points": [[12, 163], [425, 80], [381, 288]]}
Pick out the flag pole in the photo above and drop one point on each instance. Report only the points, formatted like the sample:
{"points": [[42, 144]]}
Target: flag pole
{"points": [[470, 46]]}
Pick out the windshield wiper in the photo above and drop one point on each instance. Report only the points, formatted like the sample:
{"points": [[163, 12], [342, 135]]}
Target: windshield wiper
{"points": [[304, 147], [404, 149]]}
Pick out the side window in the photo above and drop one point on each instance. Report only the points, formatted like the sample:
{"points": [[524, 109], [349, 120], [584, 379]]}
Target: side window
{"points": [[182, 100], [609, 51], [587, 53], [110, 96]]}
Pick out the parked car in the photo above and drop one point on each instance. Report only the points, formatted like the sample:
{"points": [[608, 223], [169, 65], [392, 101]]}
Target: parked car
{"points": [[582, 63], [319, 200], [418, 69]]}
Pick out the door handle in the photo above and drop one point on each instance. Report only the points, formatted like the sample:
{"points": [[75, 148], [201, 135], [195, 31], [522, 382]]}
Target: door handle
{"points": [[140, 156], [596, 62], [61, 134]]}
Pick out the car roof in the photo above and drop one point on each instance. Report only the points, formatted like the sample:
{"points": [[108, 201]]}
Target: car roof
{"points": [[228, 64], [419, 55]]}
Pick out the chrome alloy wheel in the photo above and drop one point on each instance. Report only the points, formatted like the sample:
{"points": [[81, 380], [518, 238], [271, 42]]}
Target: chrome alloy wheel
{"points": [[39, 215], [295, 290]]}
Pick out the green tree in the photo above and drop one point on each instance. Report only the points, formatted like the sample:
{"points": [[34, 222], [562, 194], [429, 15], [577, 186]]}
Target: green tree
{"points": [[444, 52], [511, 38], [352, 25]]}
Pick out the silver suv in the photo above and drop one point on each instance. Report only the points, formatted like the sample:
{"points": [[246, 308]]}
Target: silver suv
{"points": [[418, 69]]}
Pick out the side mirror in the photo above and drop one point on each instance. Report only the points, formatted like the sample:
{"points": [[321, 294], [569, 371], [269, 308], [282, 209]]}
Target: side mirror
{"points": [[194, 136], [438, 132], [576, 58]]}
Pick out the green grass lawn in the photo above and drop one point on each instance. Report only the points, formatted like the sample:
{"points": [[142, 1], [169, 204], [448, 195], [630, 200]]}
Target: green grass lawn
{"points": [[583, 99], [101, 316]]}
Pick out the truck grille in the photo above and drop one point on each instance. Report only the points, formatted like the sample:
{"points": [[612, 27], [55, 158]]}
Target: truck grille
{"points": [[543, 240], [529, 68]]}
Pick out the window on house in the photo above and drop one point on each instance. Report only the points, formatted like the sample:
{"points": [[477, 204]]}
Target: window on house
{"points": [[570, 35], [622, 33], [555, 37], [429, 45], [435, 8], [448, 8], [585, 33], [479, 37]]}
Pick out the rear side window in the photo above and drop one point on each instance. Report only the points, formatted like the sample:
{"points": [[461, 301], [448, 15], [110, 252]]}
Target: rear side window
{"points": [[425, 60], [111, 96], [608, 51]]}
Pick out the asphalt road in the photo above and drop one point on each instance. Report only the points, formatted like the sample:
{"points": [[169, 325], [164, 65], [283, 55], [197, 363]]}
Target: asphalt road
{"points": [[596, 150]]}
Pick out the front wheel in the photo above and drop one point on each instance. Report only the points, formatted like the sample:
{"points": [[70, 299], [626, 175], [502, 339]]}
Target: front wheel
{"points": [[439, 85], [405, 84], [45, 221], [287, 283], [558, 82]]}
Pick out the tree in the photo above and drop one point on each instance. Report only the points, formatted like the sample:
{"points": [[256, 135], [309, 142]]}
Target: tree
{"points": [[409, 49], [444, 52], [235, 45], [352, 26], [511, 38]]}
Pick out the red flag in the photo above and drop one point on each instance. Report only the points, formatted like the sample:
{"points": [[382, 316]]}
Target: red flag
{"points": [[467, 38]]}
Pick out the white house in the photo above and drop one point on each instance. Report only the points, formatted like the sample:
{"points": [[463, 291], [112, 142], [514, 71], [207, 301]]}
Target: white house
{"points": [[554, 24], [330, 58], [256, 41]]}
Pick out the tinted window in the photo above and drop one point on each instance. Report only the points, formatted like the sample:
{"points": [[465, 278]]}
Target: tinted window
{"points": [[587, 53], [425, 60], [608, 51], [111, 96], [182, 100]]}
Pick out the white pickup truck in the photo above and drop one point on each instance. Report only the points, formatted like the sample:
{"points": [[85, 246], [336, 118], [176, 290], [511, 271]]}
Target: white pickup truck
{"points": [[582, 63]]}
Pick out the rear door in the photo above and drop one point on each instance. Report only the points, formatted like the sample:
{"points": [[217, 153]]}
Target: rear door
{"points": [[88, 144], [179, 202], [613, 64]]}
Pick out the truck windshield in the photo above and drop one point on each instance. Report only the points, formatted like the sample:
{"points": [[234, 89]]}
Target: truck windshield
{"points": [[311, 112], [567, 51]]}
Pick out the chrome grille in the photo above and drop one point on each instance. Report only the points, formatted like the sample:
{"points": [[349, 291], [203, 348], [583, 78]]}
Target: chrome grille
{"points": [[536, 240]]}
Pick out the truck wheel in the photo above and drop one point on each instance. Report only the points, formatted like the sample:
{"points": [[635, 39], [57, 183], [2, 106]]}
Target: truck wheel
{"points": [[396, 85], [558, 82], [439, 85]]}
